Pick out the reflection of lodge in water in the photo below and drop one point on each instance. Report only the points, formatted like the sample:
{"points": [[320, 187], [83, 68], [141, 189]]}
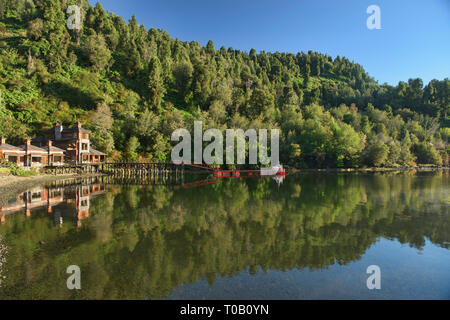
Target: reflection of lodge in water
{"points": [[62, 196], [53, 199]]}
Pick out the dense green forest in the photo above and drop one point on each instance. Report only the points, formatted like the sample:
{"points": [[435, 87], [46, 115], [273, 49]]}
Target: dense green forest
{"points": [[132, 87]]}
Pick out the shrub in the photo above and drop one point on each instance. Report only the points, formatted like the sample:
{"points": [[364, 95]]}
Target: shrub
{"points": [[24, 173], [426, 154], [377, 154], [2, 28]]}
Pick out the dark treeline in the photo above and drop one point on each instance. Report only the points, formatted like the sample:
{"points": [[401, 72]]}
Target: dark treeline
{"points": [[132, 87]]}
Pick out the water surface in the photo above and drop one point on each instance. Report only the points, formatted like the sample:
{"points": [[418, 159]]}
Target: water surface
{"points": [[311, 236]]}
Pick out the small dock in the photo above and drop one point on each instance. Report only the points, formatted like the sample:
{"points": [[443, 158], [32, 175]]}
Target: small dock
{"points": [[73, 169], [119, 169], [153, 170]]}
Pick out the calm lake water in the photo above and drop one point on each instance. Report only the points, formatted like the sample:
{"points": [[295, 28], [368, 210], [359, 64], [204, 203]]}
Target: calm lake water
{"points": [[311, 236]]}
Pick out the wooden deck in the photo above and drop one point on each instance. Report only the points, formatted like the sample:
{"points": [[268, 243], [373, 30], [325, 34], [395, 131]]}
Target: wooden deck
{"points": [[119, 169]]}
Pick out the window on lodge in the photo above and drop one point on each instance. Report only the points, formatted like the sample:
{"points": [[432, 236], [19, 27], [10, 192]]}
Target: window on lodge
{"points": [[57, 159], [36, 159], [12, 158], [84, 146]]}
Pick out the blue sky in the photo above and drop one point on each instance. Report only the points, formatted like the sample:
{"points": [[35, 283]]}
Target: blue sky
{"points": [[414, 40]]}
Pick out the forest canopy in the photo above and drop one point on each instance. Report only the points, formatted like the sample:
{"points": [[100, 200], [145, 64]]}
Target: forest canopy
{"points": [[132, 87]]}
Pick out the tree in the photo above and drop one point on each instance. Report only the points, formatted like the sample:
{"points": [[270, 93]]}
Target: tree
{"points": [[97, 52], [101, 123], [307, 74], [406, 158], [147, 124], [314, 140], [131, 149], [155, 85], [35, 29], [377, 154], [210, 47], [295, 154], [182, 74], [260, 101], [426, 153], [54, 18], [346, 145]]}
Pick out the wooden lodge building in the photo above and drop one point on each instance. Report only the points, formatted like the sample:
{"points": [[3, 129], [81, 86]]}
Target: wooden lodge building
{"points": [[55, 148]]}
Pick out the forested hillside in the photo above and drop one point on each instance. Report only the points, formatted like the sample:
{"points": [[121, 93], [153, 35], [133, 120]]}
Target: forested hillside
{"points": [[132, 87]]}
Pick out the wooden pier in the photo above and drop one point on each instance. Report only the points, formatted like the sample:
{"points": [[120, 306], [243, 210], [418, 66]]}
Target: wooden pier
{"points": [[158, 179], [152, 170], [139, 170]]}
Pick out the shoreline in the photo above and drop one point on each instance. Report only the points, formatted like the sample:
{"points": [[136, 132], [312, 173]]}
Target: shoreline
{"points": [[10, 185], [367, 170]]}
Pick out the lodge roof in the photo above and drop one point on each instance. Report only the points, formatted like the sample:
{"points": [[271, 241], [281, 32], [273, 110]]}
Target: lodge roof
{"points": [[21, 149], [76, 129], [69, 130], [8, 147], [96, 152], [54, 149], [44, 140], [32, 148]]}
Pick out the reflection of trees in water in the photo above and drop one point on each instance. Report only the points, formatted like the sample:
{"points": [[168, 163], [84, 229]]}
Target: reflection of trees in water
{"points": [[147, 241]]}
